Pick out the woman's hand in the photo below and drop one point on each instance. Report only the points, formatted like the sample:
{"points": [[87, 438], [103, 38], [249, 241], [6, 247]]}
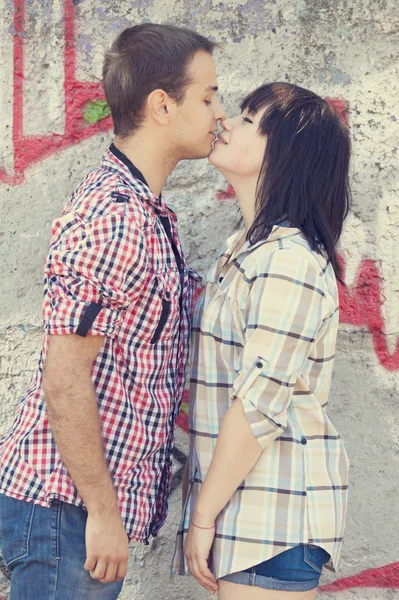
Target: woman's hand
{"points": [[196, 550]]}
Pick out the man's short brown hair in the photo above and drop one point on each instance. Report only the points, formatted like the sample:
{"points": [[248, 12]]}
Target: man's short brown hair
{"points": [[144, 58]]}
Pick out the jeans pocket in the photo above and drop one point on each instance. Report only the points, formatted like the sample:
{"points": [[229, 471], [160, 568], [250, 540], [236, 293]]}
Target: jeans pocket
{"points": [[315, 557], [16, 518]]}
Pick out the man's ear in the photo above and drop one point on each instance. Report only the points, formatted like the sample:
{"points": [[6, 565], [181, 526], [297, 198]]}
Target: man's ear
{"points": [[160, 107]]}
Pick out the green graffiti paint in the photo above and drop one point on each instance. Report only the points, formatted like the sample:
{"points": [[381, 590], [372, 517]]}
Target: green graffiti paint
{"points": [[95, 110]]}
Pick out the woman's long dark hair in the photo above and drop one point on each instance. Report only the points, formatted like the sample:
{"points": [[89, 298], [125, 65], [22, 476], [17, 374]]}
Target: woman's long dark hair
{"points": [[304, 175]]}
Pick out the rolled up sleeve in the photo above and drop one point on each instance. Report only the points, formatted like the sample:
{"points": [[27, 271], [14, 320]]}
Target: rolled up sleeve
{"points": [[283, 314], [93, 271]]}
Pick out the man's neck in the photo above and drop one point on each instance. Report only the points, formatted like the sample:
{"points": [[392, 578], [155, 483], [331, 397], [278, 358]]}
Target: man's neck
{"points": [[149, 156]]}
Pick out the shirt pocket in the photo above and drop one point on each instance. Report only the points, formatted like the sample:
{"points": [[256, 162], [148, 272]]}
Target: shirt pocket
{"points": [[168, 311]]}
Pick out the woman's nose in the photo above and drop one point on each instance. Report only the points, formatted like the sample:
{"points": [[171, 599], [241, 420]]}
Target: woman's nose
{"points": [[226, 124]]}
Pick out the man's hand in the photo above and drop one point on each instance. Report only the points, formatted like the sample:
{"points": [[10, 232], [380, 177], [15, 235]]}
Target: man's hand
{"points": [[106, 547]]}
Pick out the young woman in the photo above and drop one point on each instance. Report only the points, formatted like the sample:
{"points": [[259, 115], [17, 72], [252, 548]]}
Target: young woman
{"points": [[268, 473]]}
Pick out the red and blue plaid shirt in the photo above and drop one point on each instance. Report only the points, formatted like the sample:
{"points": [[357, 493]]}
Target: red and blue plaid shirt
{"points": [[115, 268]]}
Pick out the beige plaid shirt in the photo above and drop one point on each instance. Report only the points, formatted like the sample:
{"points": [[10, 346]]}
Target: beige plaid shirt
{"points": [[264, 333]]}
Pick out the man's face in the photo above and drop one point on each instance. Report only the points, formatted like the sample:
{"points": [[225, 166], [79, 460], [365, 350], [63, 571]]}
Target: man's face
{"points": [[196, 118]]}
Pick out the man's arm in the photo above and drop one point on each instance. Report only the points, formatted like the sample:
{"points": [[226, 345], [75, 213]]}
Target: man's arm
{"points": [[74, 419]]}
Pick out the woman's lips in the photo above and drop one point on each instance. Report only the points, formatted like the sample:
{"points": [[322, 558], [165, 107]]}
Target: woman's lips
{"points": [[220, 140]]}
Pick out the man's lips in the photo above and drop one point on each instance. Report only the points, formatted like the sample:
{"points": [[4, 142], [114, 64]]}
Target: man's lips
{"points": [[220, 139]]}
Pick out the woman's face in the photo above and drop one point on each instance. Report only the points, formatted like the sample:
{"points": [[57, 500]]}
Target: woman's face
{"points": [[239, 150]]}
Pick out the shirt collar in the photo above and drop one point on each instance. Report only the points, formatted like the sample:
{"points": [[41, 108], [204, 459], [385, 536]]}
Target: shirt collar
{"points": [[126, 161], [278, 232], [117, 161]]}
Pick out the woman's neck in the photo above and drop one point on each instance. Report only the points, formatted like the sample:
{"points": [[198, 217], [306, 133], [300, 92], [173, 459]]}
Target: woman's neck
{"points": [[245, 190]]}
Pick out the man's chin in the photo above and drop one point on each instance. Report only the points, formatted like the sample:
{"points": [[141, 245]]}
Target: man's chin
{"points": [[205, 152]]}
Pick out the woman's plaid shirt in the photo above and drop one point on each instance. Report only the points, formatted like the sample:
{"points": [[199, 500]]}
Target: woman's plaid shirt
{"points": [[264, 334], [112, 271]]}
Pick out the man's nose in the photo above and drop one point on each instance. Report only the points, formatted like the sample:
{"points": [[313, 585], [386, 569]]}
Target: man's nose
{"points": [[220, 114]]}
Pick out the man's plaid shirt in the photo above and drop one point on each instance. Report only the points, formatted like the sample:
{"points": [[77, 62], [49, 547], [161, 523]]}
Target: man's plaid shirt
{"points": [[264, 334], [115, 268]]}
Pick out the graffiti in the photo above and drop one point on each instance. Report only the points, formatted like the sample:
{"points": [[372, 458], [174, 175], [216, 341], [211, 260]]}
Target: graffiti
{"points": [[382, 577], [361, 306], [227, 194], [80, 101]]}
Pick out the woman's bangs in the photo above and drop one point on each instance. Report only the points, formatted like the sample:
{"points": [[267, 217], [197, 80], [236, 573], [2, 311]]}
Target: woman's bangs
{"points": [[259, 99]]}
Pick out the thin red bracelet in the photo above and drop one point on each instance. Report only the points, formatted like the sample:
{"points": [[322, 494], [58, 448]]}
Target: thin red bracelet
{"points": [[198, 527]]}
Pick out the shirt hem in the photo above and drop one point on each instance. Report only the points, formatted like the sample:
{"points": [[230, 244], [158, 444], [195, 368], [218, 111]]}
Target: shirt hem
{"points": [[46, 503]]}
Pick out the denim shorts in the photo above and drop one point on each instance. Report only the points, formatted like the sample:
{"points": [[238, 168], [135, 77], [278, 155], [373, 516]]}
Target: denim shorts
{"points": [[295, 570]]}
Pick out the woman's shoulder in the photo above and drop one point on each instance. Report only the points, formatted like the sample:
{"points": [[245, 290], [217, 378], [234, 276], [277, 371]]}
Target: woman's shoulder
{"points": [[290, 257]]}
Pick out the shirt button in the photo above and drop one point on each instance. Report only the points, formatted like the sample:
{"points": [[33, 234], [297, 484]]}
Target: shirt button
{"points": [[167, 295], [259, 365], [304, 441], [220, 279]]}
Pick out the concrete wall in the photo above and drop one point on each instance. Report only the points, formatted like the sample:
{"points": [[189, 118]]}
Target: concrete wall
{"points": [[51, 133]]}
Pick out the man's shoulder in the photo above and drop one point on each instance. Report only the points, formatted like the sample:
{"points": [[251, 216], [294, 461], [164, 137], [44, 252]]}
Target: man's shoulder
{"points": [[104, 191]]}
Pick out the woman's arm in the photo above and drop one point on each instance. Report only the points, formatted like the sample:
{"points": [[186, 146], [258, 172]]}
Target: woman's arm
{"points": [[236, 453]]}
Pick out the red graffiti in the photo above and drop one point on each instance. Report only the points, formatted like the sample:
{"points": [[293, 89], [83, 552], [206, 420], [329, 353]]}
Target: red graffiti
{"points": [[31, 149], [228, 194], [341, 107], [182, 419], [361, 306], [381, 577]]}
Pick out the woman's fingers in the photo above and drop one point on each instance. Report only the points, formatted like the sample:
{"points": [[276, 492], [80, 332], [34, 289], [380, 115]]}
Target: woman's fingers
{"points": [[205, 570], [203, 575]]}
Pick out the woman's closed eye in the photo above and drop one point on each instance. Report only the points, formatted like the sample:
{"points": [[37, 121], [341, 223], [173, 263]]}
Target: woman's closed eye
{"points": [[247, 120]]}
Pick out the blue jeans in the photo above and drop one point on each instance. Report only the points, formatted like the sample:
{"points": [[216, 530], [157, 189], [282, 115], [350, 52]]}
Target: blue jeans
{"points": [[45, 550], [295, 570]]}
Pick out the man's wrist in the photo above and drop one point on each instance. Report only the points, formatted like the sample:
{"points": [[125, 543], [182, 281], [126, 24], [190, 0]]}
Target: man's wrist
{"points": [[102, 501]]}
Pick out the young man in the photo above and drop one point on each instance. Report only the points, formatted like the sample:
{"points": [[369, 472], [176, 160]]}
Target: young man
{"points": [[86, 465]]}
